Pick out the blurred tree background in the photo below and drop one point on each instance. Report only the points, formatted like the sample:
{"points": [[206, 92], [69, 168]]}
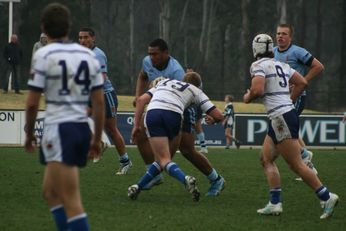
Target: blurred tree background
{"points": [[211, 36]]}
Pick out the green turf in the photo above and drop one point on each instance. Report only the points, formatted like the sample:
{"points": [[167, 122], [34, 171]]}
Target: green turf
{"points": [[169, 206]]}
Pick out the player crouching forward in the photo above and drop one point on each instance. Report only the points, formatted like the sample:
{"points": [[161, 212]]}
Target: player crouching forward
{"points": [[271, 79], [167, 101]]}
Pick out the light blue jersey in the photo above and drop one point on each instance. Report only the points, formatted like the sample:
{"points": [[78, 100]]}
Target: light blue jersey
{"points": [[101, 57], [172, 71], [297, 57]]}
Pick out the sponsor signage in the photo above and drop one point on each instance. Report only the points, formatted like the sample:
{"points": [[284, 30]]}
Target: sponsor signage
{"points": [[10, 122], [316, 130]]}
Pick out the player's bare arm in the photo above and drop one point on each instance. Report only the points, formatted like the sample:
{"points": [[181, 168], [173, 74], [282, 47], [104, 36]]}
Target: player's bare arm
{"points": [[214, 116], [32, 104], [315, 69], [140, 104], [142, 84], [299, 83], [256, 90], [98, 113]]}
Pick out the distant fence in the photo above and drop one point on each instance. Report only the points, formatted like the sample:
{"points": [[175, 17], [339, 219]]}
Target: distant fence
{"points": [[316, 130]]}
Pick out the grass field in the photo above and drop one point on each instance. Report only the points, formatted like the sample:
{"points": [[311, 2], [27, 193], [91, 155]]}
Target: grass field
{"points": [[169, 206]]}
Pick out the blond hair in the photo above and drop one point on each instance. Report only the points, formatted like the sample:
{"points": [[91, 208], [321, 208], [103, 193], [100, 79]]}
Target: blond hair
{"points": [[194, 78], [156, 81]]}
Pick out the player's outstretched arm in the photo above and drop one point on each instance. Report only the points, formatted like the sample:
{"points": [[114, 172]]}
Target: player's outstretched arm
{"points": [[140, 104], [214, 116]]}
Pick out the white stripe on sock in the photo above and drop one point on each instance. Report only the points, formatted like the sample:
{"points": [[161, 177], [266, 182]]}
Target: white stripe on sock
{"points": [[56, 207], [77, 217]]}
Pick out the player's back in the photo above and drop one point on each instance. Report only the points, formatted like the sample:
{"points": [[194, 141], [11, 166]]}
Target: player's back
{"points": [[175, 95], [66, 73], [276, 91]]}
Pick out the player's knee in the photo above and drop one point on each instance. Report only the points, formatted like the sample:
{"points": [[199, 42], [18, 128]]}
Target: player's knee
{"points": [[184, 152], [49, 195], [264, 161], [111, 130]]}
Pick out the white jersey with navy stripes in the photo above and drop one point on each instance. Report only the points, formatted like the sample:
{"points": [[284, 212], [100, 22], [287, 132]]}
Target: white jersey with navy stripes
{"points": [[174, 95], [66, 73], [276, 91]]}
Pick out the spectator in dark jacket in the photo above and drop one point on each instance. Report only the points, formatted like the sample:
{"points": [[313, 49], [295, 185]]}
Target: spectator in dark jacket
{"points": [[13, 57]]}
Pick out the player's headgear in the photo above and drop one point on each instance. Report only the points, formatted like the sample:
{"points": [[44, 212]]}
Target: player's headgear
{"points": [[262, 44], [156, 81]]}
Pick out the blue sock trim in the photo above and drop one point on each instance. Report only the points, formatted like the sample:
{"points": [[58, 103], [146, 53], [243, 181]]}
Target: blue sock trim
{"points": [[201, 139], [60, 217], [153, 170], [124, 158], [275, 195], [304, 153], [173, 170], [213, 175], [78, 223], [322, 193]]}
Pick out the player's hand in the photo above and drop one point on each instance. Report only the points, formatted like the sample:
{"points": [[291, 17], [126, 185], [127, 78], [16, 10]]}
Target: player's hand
{"points": [[209, 120], [135, 131], [30, 143], [94, 150], [246, 97]]}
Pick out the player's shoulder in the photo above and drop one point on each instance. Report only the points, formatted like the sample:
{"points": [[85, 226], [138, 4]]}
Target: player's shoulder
{"points": [[99, 51], [174, 63], [193, 88], [61, 48], [263, 62], [146, 61], [295, 49]]}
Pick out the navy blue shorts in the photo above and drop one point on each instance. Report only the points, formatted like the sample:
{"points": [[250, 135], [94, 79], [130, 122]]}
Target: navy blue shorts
{"points": [[285, 126], [111, 104], [189, 120], [66, 142], [162, 123], [300, 104]]}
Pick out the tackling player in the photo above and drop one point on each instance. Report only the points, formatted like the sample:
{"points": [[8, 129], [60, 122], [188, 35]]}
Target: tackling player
{"points": [[160, 63], [167, 102]]}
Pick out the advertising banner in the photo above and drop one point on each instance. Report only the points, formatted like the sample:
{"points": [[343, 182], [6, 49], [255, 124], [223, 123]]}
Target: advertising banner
{"points": [[316, 130], [250, 129], [10, 122]]}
